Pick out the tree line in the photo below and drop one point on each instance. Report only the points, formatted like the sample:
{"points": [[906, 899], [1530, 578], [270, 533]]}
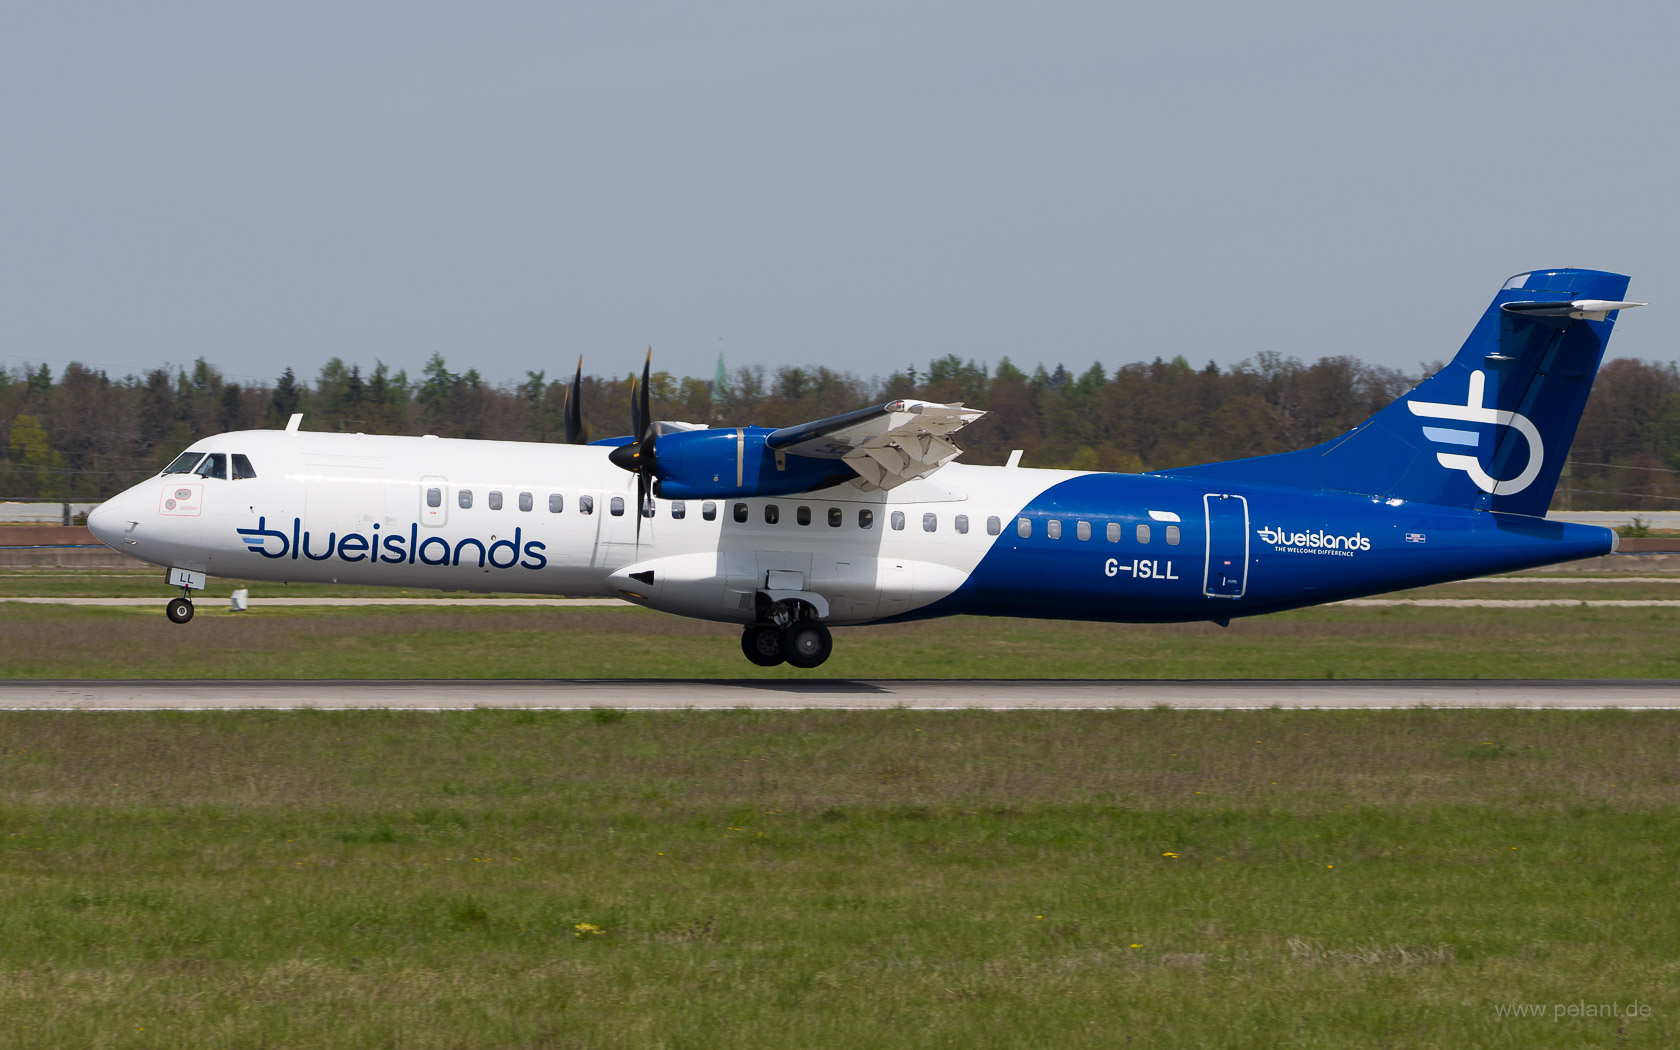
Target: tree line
{"points": [[83, 435]]}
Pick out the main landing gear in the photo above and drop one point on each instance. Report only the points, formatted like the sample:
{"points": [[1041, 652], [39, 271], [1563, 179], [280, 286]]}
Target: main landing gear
{"points": [[790, 637]]}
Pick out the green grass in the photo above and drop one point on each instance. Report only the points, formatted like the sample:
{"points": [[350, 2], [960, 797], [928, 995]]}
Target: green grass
{"points": [[1573, 642], [890, 879]]}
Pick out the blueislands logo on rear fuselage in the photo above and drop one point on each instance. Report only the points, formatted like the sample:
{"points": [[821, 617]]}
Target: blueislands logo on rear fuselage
{"points": [[1316, 542], [395, 547]]}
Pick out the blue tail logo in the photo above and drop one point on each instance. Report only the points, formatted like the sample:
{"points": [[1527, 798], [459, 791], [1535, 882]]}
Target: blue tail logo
{"points": [[1476, 410], [1516, 387]]}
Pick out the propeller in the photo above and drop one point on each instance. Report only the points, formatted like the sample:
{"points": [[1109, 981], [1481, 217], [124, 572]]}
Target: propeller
{"points": [[638, 456], [575, 433]]}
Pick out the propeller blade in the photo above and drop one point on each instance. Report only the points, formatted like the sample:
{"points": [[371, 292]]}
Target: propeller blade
{"points": [[641, 501], [574, 407], [638, 455], [646, 434], [646, 410]]}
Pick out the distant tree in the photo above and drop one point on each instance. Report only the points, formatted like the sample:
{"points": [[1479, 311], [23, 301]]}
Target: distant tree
{"points": [[35, 470], [287, 399]]}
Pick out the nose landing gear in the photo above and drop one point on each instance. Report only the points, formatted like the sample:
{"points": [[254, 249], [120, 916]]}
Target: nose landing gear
{"points": [[180, 610]]}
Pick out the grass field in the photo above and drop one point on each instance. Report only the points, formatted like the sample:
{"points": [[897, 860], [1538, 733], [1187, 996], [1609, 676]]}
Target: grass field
{"points": [[468, 642], [891, 879], [1570, 642]]}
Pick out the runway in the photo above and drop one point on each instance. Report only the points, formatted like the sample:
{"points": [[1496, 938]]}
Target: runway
{"points": [[830, 694]]}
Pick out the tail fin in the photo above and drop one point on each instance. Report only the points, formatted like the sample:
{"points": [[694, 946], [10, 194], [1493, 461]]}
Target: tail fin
{"points": [[1491, 429]]}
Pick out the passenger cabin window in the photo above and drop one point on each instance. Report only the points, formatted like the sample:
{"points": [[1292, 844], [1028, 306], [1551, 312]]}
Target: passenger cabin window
{"points": [[708, 510], [1172, 535], [464, 498], [679, 509], [214, 466], [616, 507], [740, 512], [1023, 528], [961, 524], [1143, 533], [525, 502], [802, 515], [184, 463], [772, 514], [1113, 532], [898, 521], [586, 504], [1083, 530], [866, 519], [242, 467], [1053, 528], [434, 497], [930, 522], [994, 525], [556, 503], [495, 501], [835, 517]]}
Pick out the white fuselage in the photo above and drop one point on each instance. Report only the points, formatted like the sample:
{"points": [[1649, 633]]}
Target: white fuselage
{"points": [[559, 519]]}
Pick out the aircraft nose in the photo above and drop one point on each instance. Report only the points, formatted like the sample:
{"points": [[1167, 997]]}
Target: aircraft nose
{"points": [[106, 521]]}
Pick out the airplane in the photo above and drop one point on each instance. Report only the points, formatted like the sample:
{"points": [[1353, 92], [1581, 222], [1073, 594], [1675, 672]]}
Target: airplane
{"points": [[864, 518]]}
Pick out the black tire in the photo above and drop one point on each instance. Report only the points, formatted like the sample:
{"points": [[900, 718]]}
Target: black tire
{"points": [[179, 610], [806, 643], [763, 645]]}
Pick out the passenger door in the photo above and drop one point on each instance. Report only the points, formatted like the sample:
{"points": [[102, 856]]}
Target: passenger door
{"points": [[1225, 572]]}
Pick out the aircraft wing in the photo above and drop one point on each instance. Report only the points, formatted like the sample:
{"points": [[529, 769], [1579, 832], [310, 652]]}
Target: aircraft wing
{"points": [[886, 445]]}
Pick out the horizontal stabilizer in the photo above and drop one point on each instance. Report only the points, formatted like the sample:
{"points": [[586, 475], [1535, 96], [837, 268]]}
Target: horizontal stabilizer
{"points": [[1574, 310]]}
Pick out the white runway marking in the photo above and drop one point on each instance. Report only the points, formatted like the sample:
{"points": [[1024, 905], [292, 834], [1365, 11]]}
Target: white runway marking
{"points": [[795, 694]]}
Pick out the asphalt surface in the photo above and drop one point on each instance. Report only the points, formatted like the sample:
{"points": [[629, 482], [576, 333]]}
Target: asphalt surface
{"points": [[810, 694]]}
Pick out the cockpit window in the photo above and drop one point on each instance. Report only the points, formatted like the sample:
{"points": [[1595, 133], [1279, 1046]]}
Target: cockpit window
{"points": [[183, 463], [214, 466], [242, 467]]}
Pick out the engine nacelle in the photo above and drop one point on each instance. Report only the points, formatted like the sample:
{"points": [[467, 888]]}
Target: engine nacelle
{"points": [[729, 463]]}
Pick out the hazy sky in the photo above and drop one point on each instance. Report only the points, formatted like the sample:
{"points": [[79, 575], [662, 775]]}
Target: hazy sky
{"points": [[860, 185]]}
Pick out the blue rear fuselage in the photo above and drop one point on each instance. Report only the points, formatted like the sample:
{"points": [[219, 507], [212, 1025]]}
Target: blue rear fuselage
{"points": [[1098, 547]]}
